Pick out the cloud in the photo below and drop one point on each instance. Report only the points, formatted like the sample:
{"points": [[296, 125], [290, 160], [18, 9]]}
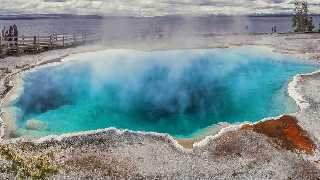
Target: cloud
{"points": [[152, 7]]}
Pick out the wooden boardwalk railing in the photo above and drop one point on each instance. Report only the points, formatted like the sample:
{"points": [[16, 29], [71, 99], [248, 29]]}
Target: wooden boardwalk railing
{"points": [[35, 44]]}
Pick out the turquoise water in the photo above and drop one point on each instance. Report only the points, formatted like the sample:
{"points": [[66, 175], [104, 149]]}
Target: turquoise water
{"points": [[179, 92]]}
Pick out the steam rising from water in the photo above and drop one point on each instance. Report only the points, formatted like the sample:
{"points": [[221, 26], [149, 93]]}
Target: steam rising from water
{"points": [[178, 92]]}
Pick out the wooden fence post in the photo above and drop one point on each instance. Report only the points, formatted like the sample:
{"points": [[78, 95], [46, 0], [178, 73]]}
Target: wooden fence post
{"points": [[74, 38], [22, 39], [82, 37], [51, 40], [17, 43], [56, 40], [0, 44], [34, 42]]}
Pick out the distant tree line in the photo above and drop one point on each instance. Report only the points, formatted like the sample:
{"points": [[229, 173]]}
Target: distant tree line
{"points": [[302, 20]]}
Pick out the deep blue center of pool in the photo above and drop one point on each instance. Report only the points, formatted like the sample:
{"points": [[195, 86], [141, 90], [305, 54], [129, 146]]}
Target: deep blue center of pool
{"points": [[179, 92]]}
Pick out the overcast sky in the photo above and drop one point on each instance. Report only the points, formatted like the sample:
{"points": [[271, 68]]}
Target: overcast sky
{"points": [[152, 7]]}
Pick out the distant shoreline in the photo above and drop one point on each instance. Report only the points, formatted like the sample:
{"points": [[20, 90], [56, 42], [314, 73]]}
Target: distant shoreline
{"points": [[96, 16]]}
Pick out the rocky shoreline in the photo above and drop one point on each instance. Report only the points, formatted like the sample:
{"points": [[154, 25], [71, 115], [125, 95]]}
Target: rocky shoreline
{"points": [[256, 151]]}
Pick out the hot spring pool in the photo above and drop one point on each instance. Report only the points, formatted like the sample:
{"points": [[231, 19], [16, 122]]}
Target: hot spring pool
{"points": [[179, 92]]}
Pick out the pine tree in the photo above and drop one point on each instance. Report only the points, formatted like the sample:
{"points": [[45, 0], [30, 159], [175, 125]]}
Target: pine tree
{"points": [[302, 22]]}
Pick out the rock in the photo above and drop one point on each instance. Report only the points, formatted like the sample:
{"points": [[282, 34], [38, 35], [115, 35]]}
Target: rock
{"points": [[35, 124], [30, 133]]}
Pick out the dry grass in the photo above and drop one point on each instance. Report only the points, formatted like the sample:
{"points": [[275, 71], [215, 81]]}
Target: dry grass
{"points": [[39, 167]]}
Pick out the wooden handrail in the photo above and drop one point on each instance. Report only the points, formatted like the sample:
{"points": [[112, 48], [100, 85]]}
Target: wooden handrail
{"points": [[38, 43], [48, 36]]}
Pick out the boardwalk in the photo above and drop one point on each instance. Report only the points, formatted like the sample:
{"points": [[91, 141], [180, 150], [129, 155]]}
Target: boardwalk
{"points": [[36, 44]]}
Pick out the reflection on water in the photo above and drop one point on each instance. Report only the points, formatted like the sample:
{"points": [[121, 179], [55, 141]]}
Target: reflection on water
{"points": [[119, 27]]}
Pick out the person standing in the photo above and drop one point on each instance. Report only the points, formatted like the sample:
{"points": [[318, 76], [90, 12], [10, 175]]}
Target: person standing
{"points": [[3, 33], [6, 35], [10, 35], [15, 34]]}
